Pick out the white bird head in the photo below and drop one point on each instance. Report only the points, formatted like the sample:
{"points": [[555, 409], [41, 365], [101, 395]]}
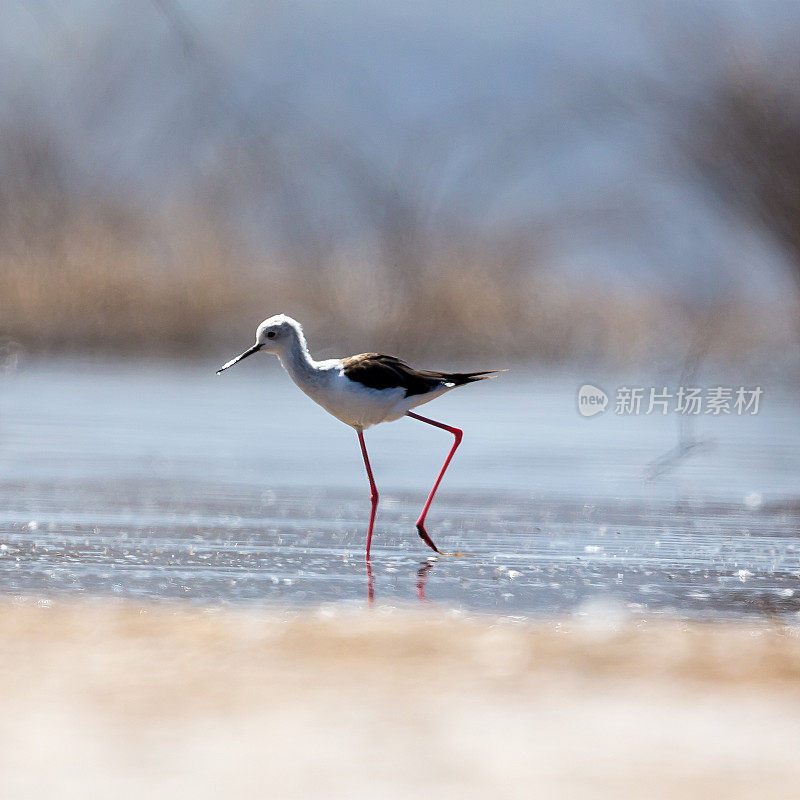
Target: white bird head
{"points": [[274, 335]]}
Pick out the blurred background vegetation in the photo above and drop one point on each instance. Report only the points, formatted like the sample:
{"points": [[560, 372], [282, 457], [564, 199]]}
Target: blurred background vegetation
{"points": [[553, 182]]}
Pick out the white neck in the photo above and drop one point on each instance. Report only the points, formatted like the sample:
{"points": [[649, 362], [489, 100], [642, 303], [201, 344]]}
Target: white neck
{"points": [[297, 361]]}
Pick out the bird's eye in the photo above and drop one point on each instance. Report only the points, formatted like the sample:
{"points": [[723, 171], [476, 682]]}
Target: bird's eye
{"points": [[271, 335]]}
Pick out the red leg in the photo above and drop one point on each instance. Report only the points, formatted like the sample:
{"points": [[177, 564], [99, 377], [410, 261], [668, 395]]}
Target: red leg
{"points": [[373, 490], [370, 582], [422, 577], [458, 434]]}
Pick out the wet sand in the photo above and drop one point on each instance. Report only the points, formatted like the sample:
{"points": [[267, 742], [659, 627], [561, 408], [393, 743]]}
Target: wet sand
{"points": [[125, 700], [165, 482], [185, 600], [193, 541]]}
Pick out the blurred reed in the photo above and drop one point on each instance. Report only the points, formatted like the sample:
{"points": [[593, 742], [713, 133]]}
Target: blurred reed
{"points": [[108, 277]]}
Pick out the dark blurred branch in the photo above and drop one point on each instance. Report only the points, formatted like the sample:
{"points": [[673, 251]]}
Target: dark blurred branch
{"points": [[186, 33], [745, 141], [729, 106], [703, 338]]}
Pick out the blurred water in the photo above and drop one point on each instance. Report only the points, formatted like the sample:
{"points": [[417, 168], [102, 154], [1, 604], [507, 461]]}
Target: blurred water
{"points": [[164, 481]]}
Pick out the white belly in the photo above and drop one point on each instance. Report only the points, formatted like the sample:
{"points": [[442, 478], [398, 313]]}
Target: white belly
{"points": [[355, 404], [360, 406]]}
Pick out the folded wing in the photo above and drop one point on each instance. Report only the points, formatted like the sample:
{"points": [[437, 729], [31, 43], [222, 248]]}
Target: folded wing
{"points": [[378, 371]]}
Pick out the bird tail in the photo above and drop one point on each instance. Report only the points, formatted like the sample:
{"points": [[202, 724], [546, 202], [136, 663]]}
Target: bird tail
{"points": [[460, 378]]}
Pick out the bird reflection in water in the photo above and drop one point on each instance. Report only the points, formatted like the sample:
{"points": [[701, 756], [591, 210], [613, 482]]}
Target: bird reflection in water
{"points": [[422, 577]]}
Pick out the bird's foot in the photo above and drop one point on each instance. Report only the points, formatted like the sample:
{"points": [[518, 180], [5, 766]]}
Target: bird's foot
{"points": [[423, 534]]}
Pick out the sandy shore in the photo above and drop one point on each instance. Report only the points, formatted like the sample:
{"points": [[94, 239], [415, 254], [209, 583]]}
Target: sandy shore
{"points": [[120, 700]]}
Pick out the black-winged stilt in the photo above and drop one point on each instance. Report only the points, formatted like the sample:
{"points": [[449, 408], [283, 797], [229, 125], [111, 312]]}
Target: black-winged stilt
{"points": [[361, 391]]}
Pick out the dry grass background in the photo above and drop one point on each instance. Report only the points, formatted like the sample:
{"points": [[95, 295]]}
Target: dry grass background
{"points": [[125, 699], [117, 279]]}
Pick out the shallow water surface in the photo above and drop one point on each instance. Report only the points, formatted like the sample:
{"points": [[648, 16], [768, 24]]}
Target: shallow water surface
{"points": [[154, 481]]}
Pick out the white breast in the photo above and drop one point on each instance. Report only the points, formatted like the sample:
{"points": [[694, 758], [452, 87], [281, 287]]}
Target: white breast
{"points": [[356, 404], [352, 402]]}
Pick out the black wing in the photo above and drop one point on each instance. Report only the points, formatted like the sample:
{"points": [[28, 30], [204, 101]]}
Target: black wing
{"points": [[378, 371]]}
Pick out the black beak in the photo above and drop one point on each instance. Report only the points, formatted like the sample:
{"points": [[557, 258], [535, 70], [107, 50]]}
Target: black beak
{"points": [[254, 349]]}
